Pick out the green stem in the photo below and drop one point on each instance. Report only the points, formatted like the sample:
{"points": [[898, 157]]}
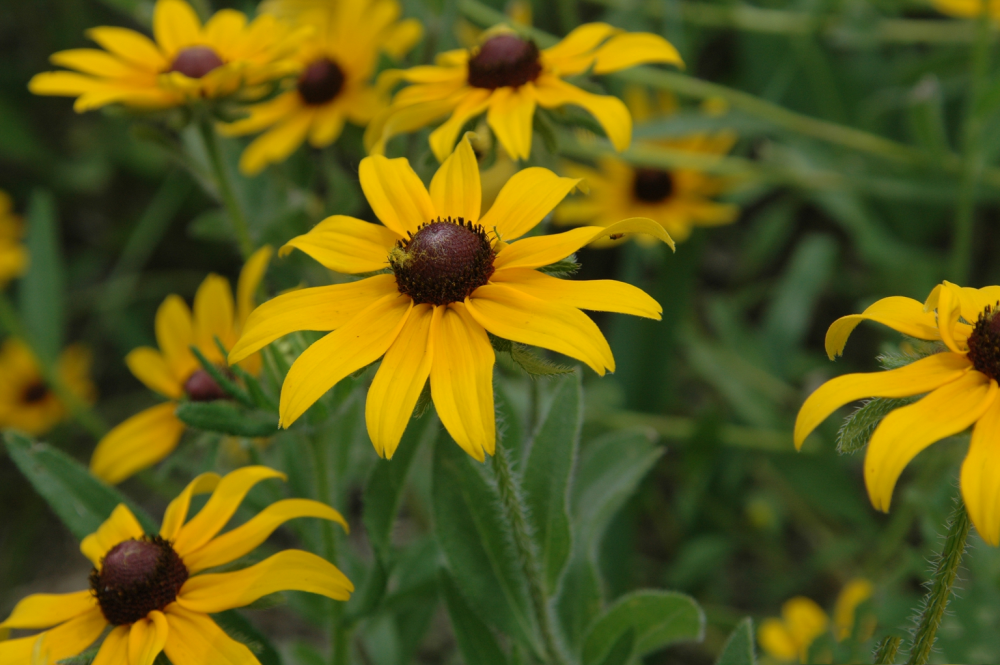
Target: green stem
{"points": [[569, 15], [510, 497], [887, 649], [937, 598], [225, 187], [339, 638]]}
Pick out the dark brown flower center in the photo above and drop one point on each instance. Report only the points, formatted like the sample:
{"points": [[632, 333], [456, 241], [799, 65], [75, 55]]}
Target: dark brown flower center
{"points": [[652, 185], [201, 387], [444, 262], [35, 393], [137, 577], [196, 61], [320, 82], [504, 61], [984, 343]]}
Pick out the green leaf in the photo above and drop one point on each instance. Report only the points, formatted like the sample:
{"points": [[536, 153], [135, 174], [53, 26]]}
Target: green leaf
{"points": [[546, 478], [622, 649], [565, 268], [659, 618], [237, 627], [85, 658], [858, 427], [475, 640], [738, 649], [227, 418], [41, 295], [79, 499]]}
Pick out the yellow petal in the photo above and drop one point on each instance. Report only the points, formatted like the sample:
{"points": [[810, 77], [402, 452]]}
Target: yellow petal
{"points": [[609, 111], [402, 119], [853, 594], [574, 54], [634, 48], [776, 641], [805, 621], [980, 480], [399, 381], [175, 335], [121, 526], [177, 511], [473, 102], [603, 295], [950, 301], [61, 83], [519, 317], [278, 143], [510, 116], [214, 314], [250, 277], [175, 25], [131, 46], [402, 37], [902, 314], [224, 29], [263, 115], [919, 377], [289, 570], [358, 343], [346, 245], [149, 366], [92, 61], [42, 610], [114, 649], [196, 640], [455, 188], [70, 638], [525, 200], [545, 250], [320, 308], [396, 194], [137, 443], [907, 431], [327, 125], [146, 638], [226, 498]]}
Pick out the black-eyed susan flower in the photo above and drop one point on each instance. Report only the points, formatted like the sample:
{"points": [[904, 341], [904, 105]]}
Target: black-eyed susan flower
{"points": [[506, 78], [155, 591], [27, 402], [449, 275], [335, 67], [968, 8], [960, 383], [13, 254], [174, 372], [186, 61]]}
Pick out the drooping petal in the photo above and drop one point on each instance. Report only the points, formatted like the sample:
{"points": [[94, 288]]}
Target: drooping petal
{"points": [[519, 317], [511, 114], [634, 48], [908, 430], [121, 526], [327, 125], [149, 366], [138, 443], [455, 189], [197, 640], [244, 538], [948, 299], [853, 594], [354, 345], [131, 46], [177, 511], [246, 287], [805, 621], [263, 115], [214, 314], [346, 245], [114, 649], [776, 641], [289, 570], [525, 200], [175, 335], [980, 479], [610, 112], [602, 295], [399, 381], [71, 638], [401, 119], [278, 143], [146, 638], [175, 25], [396, 194], [42, 610], [574, 54], [473, 102], [226, 498], [919, 377], [320, 308], [902, 314]]}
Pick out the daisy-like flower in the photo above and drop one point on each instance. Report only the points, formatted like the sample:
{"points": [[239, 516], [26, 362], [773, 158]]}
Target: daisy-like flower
{"points": [[13, 254], [968, 8], [960, 384], [187, 61], [450, 275], [507, 77], [680, 198], [27, 402], [336, 66], [152, 589], [174, 372]]}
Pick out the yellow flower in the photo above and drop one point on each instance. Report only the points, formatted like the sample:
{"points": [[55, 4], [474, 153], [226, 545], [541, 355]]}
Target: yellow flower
{"points": [[27, 403], [151, 589], [961, 382], [174, 372], [679, 199], [13, 255], [453, 275], [336, 66], [968, 8], [187, 61], [507, 77]]}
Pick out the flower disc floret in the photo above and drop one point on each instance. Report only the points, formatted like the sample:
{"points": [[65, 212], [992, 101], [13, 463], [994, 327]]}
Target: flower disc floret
{"points": [[196, 61], [984, 343], [504, 61], [321, 82], [136, 577], [653, 185]]}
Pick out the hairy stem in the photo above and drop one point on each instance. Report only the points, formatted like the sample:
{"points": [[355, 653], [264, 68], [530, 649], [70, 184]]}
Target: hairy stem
{"points": [[225, 187], [886, 650]]}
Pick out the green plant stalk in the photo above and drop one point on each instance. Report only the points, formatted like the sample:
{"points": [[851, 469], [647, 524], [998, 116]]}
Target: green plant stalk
{"points": [[887, 649], [339, 637], [937, 598], [225, 186], [510, 498]]}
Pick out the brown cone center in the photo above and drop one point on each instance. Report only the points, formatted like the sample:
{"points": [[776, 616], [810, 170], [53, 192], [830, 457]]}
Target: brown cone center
{"points": [[984, 343], [320, 82], [35, 393], [504, 61], [137, 577], [196, 61], [653, 185], [201, 387]]}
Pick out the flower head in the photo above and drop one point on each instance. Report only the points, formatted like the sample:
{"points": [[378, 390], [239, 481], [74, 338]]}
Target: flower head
{"points": [[960, 383], [334, 81], [507, 77], [449, 275], [27, 402], [187, 61], [13, 254], [152, 591], [968, 8], [174, 372]]}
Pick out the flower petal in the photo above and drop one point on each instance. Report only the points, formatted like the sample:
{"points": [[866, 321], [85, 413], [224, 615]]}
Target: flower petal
{"points": [[278, 143], [61, 83], [149, 366], [114, 649], [138, 443], [455, 189], [225, 28], [853, 594], [146, 638], [952, 302], [131, 46], [574, 54], [263, 115], [175, 335], [177, 511], [805, 621], [244, 538], [473, 102], [119, 527], [403, 119], [525, 200], [519, 317], [69, 639], [346, 245], [980, 479], [602, 295], [908, 430], [776, 641], [354, 345], [396, 194], [42, 610], [634, 48], [289, 570], [610, 112], [175, 25], [214, 314], [250, 278], [92, 61], [319, 308], [399, 381], [905, 315], [196, 640], [510, 116]]}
